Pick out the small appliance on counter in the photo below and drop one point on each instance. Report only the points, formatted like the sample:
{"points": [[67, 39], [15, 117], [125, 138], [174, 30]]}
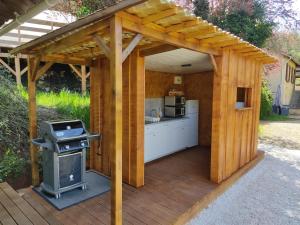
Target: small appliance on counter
{"points": [[174, 106], [63, 146]]}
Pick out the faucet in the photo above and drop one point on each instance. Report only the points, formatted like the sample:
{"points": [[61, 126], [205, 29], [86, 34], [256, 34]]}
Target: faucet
{"points": [[153, 112]]}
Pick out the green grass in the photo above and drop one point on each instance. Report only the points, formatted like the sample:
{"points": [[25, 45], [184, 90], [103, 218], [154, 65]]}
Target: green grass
{"points": [[70, 104], [275, 117]]}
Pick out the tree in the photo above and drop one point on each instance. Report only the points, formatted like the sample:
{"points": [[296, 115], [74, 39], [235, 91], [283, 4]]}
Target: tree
{"points": [[244, 18], [201, 8], [285, 42]]}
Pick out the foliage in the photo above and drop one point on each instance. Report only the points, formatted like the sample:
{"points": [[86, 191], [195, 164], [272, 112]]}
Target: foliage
{"points": [[246, 19], [11, 165], [67, 103], [261, 130], [6, 73], [285, 42], [13, 117], [275, 117], [266, 101], [201, 8]]}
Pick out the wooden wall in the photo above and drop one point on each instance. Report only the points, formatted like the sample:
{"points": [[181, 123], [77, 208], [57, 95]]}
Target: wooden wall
{"points": [[199, 86], [133, 97], [234, 131], [195, 86], [158, 84]]}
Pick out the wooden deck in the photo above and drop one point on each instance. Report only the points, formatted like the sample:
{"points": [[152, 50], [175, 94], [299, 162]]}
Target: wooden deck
{"points": [[176, 187], [14, 210]]}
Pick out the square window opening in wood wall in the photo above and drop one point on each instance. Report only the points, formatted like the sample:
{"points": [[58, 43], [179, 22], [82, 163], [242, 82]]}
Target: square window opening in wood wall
{"points": [[243, 97]]}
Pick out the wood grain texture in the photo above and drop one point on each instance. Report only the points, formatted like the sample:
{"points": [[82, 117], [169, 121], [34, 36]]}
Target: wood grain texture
{"points": [[200, 87], [238, 127], [15, 210], [158, 84], [32, 113], [153, 204], [115, 118]]}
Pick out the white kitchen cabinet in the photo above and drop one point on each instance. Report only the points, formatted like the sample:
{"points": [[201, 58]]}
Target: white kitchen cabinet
{"points": [[167, 137]]}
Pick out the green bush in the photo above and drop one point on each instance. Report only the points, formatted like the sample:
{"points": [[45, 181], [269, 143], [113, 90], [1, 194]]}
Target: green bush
{"points": [[13, 118], [266, 101], [11, 165]]}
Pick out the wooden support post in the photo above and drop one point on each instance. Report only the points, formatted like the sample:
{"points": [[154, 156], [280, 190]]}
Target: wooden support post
{"points": [[18, 71], [219, 109], [33, 121], [83, 79], [116, 118], [137, 113], [133, 117]]}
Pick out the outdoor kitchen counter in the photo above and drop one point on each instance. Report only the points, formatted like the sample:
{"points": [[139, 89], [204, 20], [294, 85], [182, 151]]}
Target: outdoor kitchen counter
{"points": [[166, 119], [168, 136]]}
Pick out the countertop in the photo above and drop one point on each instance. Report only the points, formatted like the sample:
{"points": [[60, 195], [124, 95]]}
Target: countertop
{"points": [[166, 119]]}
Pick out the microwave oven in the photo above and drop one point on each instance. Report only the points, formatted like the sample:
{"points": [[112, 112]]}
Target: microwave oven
{"points": [[174, 100], [174, 111]]}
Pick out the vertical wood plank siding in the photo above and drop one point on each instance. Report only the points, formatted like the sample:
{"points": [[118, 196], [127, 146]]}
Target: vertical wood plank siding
{"points": [[234, 131]]}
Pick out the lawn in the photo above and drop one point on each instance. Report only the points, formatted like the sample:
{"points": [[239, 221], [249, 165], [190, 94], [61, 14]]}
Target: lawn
{"points": [[71, 104], [275, 117]]}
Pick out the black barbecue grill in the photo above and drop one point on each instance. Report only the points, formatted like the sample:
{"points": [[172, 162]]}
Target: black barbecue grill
{"points": [[63, 146]]}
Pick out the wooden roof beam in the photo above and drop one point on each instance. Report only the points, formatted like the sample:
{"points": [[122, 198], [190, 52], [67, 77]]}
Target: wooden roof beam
{"points": [[217, 38], [182, 26], [76, 70], [222, 44], [201, 32], [253, 53], [236, 47], [157, 49], [43, 70], [172, 39], [102, 45], [246, 49], [80, 36], [126, 52], [65, 59], [210, 35], [160, 15]]}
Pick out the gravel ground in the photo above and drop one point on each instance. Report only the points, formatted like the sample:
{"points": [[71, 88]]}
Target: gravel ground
{"points": [[269, 194], [285, 134]]}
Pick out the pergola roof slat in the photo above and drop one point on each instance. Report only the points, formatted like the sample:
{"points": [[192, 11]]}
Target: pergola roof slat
{"points": [[156, 20]]}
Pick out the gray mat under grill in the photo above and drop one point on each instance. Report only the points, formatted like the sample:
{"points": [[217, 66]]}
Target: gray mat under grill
{"points": [[96, 185]]}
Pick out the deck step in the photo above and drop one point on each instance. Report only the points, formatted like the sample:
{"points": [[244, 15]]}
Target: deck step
{"points": [[18, 210]]}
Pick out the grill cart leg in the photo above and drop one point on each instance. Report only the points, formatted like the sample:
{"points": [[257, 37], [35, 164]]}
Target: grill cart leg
{"points": [[57, 196]]}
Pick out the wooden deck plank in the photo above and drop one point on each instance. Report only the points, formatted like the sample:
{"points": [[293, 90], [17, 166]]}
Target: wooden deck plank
{"points": [[172, 194], [13, 210], [27, 210], [42, 211], [5, 218]]}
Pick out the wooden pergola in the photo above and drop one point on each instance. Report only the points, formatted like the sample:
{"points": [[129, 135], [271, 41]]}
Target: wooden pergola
{"points": [[32, 29], [114, 42]]}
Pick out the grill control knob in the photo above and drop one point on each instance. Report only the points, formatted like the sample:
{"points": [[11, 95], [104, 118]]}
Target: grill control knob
{"points": [[67, 146], [82, 144]]}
